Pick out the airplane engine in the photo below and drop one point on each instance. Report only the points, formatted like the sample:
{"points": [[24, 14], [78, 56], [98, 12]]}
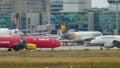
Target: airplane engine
{"points": [[108, 45], [18, 47], [30, 46], [116, 43]]}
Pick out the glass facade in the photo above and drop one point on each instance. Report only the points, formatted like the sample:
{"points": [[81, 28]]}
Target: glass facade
{"points": [[5, 20], [34, 6], [73, 20], [113, 1], [114, 4], [106, 22], [6, 6], [56, 5]]}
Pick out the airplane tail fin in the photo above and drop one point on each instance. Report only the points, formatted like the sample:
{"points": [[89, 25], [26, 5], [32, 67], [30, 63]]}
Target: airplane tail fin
{"points": [[62, 25], [63, 28], [14, 22]]}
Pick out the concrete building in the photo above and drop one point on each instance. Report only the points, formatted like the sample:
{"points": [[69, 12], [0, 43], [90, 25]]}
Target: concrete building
{"points": [[6, 9], [6, 6], [33, 12], [106, 22], [5, 20], [76, 5], [56, 5], [27, 6], [114, 4], [72, 20]]}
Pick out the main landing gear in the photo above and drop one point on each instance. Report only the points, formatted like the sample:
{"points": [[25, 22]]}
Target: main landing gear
{"points": [[9, 49]]}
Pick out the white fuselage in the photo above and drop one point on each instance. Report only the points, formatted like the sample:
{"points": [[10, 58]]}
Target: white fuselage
{"points": [[83, 35], [105, 39], [12, 32]]}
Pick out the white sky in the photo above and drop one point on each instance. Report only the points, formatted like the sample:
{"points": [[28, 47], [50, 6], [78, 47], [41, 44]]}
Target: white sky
{"points": [[99, 3]]}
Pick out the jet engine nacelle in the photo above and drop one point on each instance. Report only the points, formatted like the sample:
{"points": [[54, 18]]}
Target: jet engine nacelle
{"points": [[23, 45], [27, 46], [108, 45], [30, 46], [116, 43]]}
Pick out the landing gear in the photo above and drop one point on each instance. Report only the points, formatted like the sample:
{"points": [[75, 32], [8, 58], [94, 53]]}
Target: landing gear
{"points": [[52, 49], [16, 47], [116, 43], [9, 49], [101, 48], [20, 46]]}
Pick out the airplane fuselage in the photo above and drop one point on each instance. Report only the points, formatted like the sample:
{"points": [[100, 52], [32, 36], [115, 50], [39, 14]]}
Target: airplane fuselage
{"points": [[107, 41], [10, 32], [40, 42], [81, 35]]}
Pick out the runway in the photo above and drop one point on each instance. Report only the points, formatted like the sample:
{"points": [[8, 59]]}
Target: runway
{"points": [[76, 48], [65, 51], [72, 48]]}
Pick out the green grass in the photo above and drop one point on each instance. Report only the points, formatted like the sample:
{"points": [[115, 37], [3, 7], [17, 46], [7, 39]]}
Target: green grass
{"points": [[48, 59]]}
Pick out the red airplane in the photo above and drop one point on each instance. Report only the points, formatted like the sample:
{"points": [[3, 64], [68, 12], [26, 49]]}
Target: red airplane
{"points": [[28, 42]]}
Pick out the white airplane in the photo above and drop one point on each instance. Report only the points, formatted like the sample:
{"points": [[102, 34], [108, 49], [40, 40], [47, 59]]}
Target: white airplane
{"points": [[78, 37], [108, 41], [11, 31], [81, 36]]}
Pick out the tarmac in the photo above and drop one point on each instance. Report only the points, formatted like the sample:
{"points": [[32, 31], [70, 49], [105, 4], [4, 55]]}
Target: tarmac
{"points": [[77, 48], [71, 48]]}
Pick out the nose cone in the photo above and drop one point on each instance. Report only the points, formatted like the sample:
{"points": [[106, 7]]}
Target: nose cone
{"points": [[93, 42], [56, 43]]}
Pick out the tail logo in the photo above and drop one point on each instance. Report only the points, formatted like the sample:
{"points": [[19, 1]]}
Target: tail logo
{"points": [[63, 28], [15, 20]]}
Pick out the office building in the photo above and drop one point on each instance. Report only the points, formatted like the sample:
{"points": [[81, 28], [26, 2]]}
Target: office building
{"points": [[56, 5], [72, 20], [5, 20], [29, 6], [106, 22], [33, 13], [76, 5], [6, 6], [114, 4]]}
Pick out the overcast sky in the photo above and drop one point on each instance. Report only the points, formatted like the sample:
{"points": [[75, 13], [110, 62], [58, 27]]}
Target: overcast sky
{"points": [[99, 3]]}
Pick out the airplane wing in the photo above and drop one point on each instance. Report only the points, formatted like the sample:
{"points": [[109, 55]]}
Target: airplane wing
{"points": [[86, 38]]}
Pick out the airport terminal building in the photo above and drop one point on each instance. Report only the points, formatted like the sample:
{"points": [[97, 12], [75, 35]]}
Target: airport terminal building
{"points": [[75, 14], [76, 5], [83, 21], [88, 20]]}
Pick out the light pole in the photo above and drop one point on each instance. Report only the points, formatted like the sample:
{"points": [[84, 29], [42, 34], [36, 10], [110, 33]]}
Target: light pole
{"points": [[30, 16], [117, 27]]}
